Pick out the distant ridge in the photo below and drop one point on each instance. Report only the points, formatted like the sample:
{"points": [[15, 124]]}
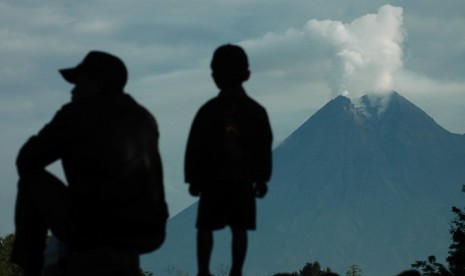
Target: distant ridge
{"points": [[368, 182]]}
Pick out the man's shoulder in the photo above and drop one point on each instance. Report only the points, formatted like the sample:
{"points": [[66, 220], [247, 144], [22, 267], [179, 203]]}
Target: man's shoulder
{"points": [[130, 102], [89, 108], [68, 109]]}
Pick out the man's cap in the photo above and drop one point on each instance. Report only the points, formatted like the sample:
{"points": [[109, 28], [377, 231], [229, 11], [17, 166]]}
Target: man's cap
{"points": [[229, 58], [100, 67]]}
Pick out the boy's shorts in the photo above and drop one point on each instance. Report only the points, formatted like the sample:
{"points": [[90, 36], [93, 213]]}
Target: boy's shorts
{"points": [[227, 204]]}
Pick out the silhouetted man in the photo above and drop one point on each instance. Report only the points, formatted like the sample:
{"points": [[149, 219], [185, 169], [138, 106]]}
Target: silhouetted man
{"points": [[108, 146], [228, 159]]}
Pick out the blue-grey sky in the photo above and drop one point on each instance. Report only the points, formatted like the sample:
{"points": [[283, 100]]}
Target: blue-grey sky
{"points": [[302, 54]]}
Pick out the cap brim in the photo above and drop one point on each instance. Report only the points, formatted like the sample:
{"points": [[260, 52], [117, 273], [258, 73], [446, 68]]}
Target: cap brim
{"points": [[70, 74]]}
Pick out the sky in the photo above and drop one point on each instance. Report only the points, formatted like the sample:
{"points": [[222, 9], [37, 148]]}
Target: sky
{"points": [[302, 54]]}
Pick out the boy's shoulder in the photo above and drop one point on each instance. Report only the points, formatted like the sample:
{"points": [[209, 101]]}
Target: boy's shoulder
{"points": [[244, 104], [209, 106]]}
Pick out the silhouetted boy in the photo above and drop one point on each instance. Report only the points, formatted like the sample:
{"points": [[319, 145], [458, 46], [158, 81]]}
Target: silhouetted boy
{"points": [[228, 159], [108, 146]]}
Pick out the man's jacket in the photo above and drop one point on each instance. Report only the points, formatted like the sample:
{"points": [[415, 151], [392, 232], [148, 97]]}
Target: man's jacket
{"points": [[108, 146]]}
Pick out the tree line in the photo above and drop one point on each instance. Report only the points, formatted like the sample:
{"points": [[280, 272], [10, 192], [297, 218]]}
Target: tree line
{"points": [[456, 255], [429, 267]]}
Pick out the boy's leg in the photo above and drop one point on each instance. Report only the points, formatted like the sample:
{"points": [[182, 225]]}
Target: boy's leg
{"points": [[239, 250], [204, 250]]}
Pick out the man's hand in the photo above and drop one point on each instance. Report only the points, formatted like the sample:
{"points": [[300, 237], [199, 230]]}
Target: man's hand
{"points": [[260, 189], [194, 189]]}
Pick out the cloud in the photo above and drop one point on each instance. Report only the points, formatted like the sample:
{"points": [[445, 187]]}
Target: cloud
{"points": [[367, 51], [442, 100], [354, 58], [167, 46]]}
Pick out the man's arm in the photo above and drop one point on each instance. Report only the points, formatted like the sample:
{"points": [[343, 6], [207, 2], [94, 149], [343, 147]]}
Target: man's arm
{"points": [[44, 148]]}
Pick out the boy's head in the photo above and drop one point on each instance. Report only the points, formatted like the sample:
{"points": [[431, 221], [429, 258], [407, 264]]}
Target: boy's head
{"points": [[230, 66]]}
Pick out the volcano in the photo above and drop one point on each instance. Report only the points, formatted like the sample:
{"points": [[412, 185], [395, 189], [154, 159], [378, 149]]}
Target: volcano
{"points": [[369, 181]]}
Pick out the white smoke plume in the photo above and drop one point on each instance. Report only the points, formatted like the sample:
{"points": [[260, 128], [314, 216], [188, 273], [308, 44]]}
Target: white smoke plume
{"points": [[367, 50]]}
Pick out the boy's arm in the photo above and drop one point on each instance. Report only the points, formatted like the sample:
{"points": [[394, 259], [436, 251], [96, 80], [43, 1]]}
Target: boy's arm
{"points": [[194, 149], [265, 158], [265, 155]]}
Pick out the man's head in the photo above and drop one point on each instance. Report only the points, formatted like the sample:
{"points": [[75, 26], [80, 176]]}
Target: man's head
{"points": [[105, 71], [230, 66]]}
